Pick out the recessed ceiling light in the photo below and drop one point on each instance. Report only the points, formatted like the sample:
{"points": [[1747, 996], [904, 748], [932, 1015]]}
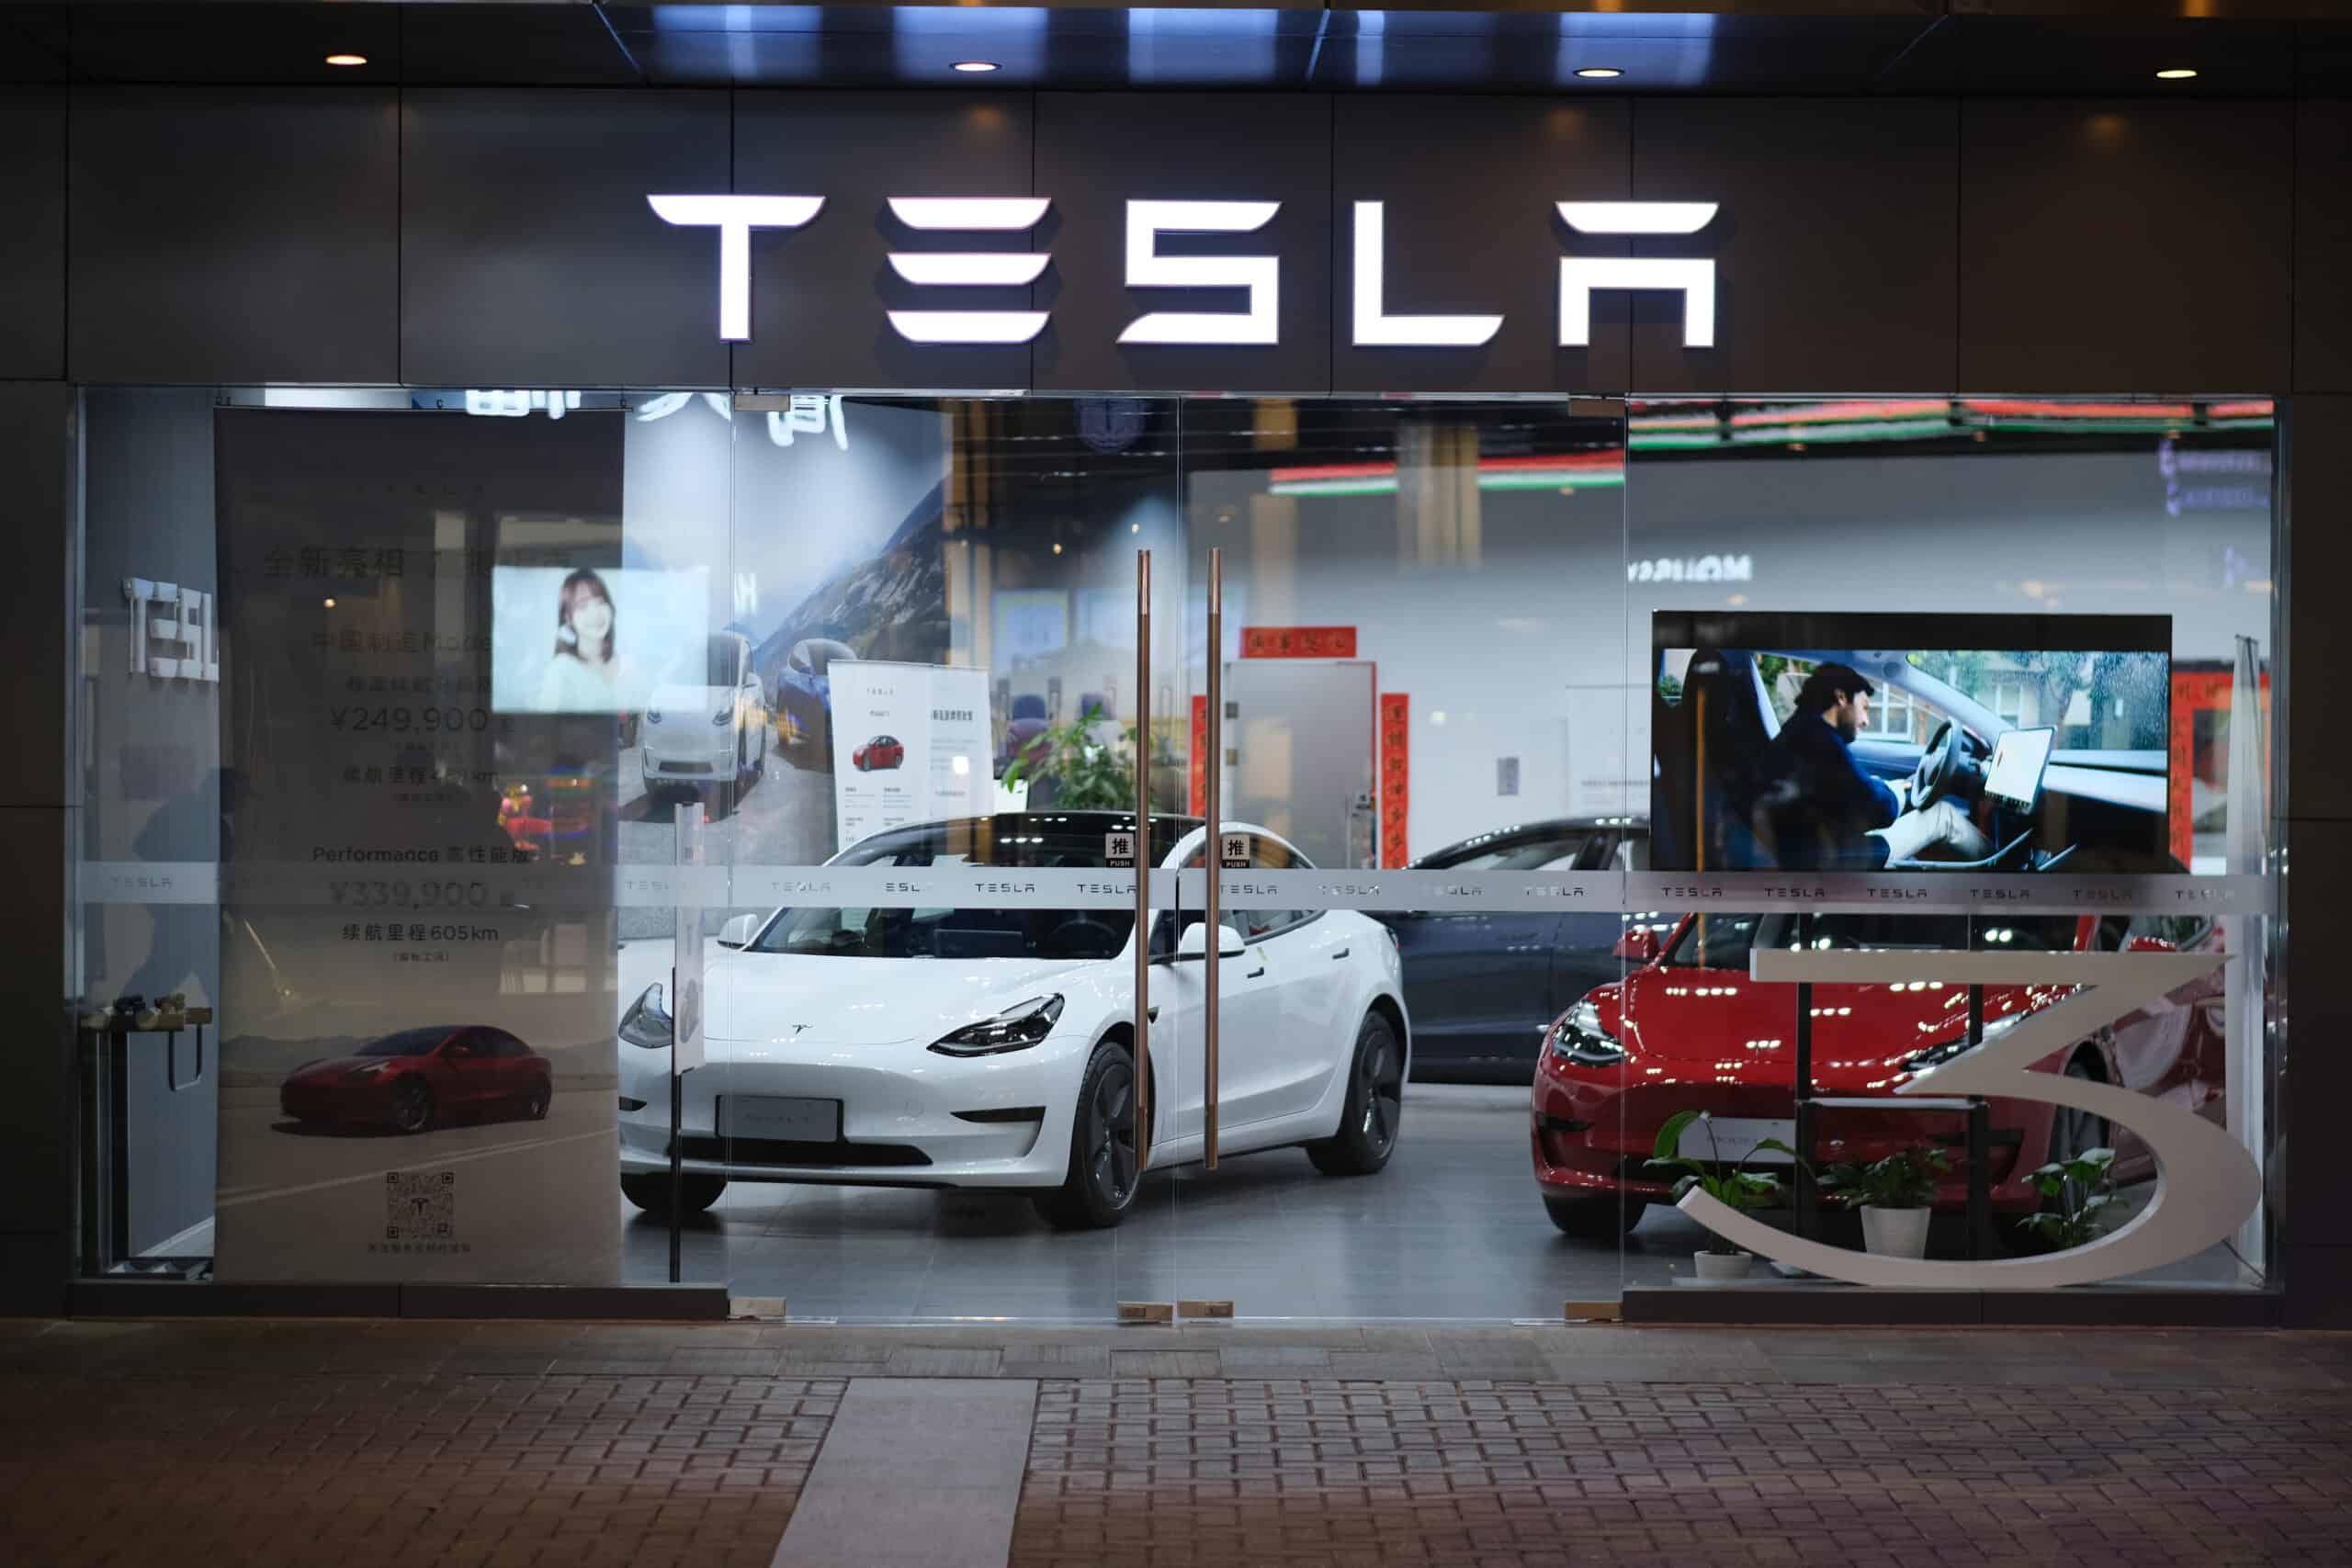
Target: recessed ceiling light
{"points": [[2175, 74], [1599, 73], [974, 66], [346, 60]]}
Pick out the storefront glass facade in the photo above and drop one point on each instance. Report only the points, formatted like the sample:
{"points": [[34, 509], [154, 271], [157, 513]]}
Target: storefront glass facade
{"points": [[475, 758]]}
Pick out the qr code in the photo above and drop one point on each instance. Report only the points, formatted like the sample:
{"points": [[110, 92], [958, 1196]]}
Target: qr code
{"points": [[420, 1205]]}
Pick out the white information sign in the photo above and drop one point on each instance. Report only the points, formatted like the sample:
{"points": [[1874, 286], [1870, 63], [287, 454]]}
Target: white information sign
{"points": [[910, 744]]}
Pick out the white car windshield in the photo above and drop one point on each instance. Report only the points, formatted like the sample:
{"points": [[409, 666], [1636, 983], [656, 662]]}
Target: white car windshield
{"points": [[1012, 840]]}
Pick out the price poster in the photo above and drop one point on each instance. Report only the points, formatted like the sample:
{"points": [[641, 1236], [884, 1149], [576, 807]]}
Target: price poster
{"points": [[417, 1051], [910, 744]]}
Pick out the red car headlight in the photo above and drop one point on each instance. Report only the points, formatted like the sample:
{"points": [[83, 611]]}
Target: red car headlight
{"points": [[1580, 1038]]}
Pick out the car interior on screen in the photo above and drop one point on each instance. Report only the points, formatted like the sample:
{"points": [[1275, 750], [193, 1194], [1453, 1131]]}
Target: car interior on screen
{"points": [[2011, 760]]}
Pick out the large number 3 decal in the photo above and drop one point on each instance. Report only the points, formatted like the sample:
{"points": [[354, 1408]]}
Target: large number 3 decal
{"points": [[2206, 1183]]}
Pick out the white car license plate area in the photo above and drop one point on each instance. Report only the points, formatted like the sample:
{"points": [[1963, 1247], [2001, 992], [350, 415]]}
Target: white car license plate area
{"points": [[1736, 1137], [777, 1117]]}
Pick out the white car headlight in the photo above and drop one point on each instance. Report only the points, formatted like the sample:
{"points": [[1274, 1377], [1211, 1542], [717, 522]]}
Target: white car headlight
{"points": [[1017, 1027], [646, 1022], [1580, 1038]]}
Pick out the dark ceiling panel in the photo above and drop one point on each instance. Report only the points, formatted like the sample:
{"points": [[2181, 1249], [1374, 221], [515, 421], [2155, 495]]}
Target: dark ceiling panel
{"points": [[32, 45], [227, 43], [1910, 47], [469, 45]]}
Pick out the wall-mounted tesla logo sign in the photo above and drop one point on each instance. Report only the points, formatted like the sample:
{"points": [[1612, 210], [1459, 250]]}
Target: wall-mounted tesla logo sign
{"points": [[1148, 267]]}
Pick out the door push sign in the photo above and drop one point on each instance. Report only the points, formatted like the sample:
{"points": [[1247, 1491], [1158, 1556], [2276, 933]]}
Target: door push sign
{"points": [[1256, 278], [1233, 851], [1119, 851], [171, 631]]}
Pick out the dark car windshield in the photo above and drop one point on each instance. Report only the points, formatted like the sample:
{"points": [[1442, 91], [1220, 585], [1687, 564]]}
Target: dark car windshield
{"points": [[408, 1041], [1722, 941], [1013, 841]]}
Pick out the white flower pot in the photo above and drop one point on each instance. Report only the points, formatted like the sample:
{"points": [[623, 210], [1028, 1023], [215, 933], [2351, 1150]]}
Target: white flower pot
{"points": [[1722, 1265], [1896, 1233]]}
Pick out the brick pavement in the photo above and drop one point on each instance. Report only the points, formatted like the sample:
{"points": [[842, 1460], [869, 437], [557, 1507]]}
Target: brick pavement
{"points": [[202, 1461], [364, 1443], [1478, 1474]]}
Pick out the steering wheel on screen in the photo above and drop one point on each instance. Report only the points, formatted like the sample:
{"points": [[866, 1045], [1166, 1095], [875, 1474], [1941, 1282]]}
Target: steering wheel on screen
{"points": [[1938, 772], [1082, 936]]}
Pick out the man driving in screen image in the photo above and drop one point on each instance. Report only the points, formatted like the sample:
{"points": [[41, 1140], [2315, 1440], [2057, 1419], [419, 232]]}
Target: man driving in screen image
{"points": [[1821, 810]]}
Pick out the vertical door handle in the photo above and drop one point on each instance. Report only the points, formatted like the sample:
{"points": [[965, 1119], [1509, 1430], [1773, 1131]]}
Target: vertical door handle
{"points": [[1212, 853], [1146, 1014]]}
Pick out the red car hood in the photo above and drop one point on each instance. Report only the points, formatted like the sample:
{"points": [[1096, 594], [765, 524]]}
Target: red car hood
{"points": [[1731, 1029]]}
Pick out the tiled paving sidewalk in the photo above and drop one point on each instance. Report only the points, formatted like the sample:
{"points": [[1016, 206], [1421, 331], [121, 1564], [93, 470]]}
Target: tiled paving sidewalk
{"points": [[254, 1457], [353, 1444], [1681, 1475]]}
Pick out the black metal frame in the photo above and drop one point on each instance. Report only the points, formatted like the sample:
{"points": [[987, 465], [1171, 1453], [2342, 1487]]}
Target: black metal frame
{"points": [[1982, 1241]]}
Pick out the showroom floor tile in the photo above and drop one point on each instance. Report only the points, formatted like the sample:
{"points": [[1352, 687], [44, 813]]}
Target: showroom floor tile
{"points": [[1451, 1229]]}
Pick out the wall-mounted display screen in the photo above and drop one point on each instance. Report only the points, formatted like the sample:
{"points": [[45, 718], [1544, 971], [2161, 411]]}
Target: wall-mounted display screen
{"points": [[582, 639], [1801, 741]]}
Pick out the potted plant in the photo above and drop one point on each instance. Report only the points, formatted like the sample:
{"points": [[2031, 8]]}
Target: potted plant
{"points": [[1896, 1196], [1732, 1184], [2078, 1190], [1084, 774]]}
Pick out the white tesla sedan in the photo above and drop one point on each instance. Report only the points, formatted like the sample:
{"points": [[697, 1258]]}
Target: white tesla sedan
{"points": [[992, 1046]]}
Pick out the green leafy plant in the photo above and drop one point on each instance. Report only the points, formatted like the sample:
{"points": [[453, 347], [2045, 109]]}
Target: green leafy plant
{"points": [[2079, 1191], [1087, 775], [1732, 1184], [1906, 1179]]}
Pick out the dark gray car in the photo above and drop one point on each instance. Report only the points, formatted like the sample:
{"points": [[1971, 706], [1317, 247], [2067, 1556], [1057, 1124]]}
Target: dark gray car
{"points": [[1481, 984]]}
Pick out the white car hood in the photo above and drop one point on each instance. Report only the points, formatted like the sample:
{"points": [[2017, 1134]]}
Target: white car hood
{"points": [[692, 702], [777, 998]]}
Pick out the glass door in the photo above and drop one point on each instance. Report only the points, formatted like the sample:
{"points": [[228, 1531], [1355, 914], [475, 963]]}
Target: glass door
{"points": [[1411, 736], [928, 1077]]}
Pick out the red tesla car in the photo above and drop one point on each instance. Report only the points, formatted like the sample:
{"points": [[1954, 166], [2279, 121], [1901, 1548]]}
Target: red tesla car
{"points": [[1687, 1029], [410, 1080], [882, 751]]}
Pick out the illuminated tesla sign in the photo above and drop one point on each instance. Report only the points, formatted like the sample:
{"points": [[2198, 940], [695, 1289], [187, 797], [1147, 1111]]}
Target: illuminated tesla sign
{"points": [[1149, 267]]}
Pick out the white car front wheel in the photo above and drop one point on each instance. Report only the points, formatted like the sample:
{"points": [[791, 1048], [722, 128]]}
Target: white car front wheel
{"points": [[1373, 1111], [1104, 1168]]}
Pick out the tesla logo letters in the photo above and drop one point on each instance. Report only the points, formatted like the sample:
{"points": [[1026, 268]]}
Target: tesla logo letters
{"points": [[2207, 1184], [1259, 277], [171, 631]]}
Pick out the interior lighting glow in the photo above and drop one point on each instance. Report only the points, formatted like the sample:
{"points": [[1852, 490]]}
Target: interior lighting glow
{"points": [[2175, 74], [1598, 73], [346, 60], [974, 67]]}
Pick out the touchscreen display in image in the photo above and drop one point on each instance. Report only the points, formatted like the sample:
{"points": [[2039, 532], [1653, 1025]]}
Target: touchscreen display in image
{"points": [[1799, 741]]}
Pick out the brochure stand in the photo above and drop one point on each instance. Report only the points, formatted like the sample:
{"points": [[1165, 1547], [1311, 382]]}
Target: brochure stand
{"points": [[104, 1039]]}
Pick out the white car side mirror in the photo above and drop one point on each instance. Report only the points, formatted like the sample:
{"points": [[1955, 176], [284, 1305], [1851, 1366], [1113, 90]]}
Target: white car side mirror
{"points": [[1194, 943], [738, 931]]}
